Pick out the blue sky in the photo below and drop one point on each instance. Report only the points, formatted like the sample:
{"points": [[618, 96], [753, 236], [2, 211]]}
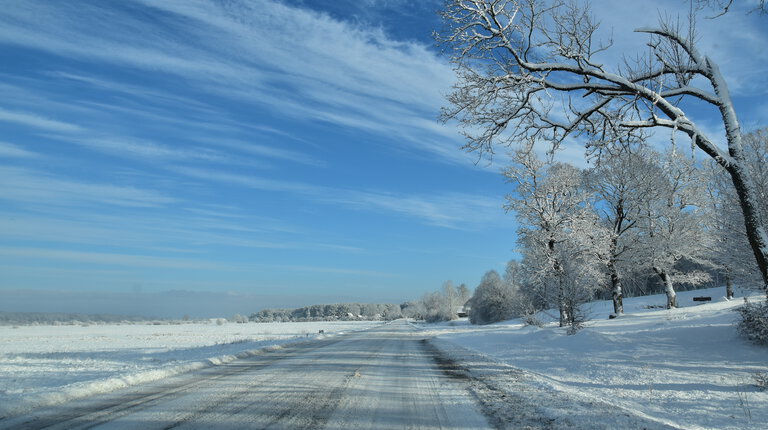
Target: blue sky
{"points": [[212, 157]]}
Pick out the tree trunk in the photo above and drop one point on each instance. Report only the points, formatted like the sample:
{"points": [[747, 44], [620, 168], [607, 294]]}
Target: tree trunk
{"points": [[753, 222], [557, 267], [756, 226], [617, 292], [669, 287], [728, 284], [563, 315], [562, 303]]}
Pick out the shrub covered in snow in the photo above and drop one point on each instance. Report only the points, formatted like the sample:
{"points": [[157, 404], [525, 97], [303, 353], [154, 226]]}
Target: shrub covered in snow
{"points": [[754, 321], [761, 380], [493, 300]]}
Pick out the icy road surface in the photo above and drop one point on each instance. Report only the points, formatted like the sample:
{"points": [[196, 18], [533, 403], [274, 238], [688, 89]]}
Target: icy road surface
{"points": [[379, 379]]}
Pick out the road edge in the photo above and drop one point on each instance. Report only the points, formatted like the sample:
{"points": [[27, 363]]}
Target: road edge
{"points": [[513, 398]]}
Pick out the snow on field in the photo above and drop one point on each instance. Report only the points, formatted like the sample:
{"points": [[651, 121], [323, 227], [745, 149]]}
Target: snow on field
{"points": [[685, 367], [42, 365]]}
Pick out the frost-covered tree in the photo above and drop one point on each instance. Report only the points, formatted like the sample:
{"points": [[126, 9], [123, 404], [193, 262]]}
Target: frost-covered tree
{"points": [[464, 293], [532, 71], [442, 305], [621, 184], [731, 249], [559, 233], [724, 6], [451, 299], [414, 310], [513, 273], [493, 300], [672, 223]]}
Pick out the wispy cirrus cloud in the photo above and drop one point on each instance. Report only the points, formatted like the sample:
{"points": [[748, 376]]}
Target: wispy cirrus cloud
{"points": [[105, 258], [147, 149], [37, 121], [10, 150], [254, 182], [450, 210], [346, 74], [265, 151], [40, 188]]}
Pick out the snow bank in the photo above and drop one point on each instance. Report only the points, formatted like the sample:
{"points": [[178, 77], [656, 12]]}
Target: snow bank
{"points": [[45, 365], [685, 368]]}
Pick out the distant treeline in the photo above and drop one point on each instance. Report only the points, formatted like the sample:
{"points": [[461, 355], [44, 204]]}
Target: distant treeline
{"points": [[57, 318], [334, 312]]}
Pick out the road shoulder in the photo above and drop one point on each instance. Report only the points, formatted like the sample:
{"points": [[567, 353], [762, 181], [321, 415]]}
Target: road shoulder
{"points": [[516, 399]]}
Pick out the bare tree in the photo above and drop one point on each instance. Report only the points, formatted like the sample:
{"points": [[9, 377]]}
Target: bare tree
{"points": [[464, 293], [452, 299], [673, 225], [724, 6], [621, 184], [442, 305], [725, 218], [558, 231], [529, 71]]}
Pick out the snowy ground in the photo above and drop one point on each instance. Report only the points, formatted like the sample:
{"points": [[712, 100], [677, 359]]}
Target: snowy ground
{"points": [[42, 365], [686, 368]]}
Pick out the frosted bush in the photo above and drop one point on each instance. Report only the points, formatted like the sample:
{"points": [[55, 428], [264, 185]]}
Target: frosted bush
{"points": [[754, 322], [761, 380], [493, 300]]}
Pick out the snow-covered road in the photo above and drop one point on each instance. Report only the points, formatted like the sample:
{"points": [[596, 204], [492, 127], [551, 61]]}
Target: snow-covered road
{"points": [[379, 379]]}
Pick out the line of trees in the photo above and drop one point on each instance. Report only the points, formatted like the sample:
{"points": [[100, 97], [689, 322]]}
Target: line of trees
{"points": [[331, 312], [583, 232], [631, 217], [64, 318], [651, 220]]}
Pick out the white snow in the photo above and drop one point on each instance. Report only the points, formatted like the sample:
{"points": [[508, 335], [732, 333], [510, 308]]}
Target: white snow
{"points": [[686, 367], [683, 368], [43, 365]]}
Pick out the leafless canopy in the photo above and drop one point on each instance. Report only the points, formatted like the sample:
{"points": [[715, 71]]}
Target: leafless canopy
{"points": [[721, 7], [529, 70]]}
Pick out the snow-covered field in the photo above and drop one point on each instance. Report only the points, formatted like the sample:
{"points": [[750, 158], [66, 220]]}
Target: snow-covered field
{"points": [[51, 364], [685, 367]]}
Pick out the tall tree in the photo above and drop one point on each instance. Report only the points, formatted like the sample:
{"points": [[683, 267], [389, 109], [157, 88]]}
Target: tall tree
{"points": [[529, 71], [725, 218], [464, 293], [620, 184], [558, 230], [673, 225]]}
